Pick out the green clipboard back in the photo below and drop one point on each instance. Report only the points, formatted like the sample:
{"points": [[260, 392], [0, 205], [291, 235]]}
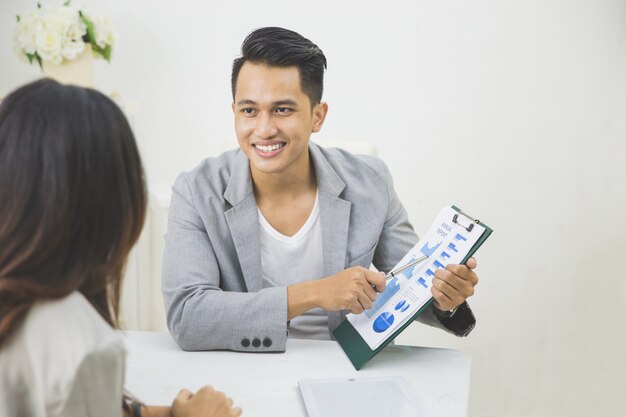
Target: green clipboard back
{"points": [[357, 349]]}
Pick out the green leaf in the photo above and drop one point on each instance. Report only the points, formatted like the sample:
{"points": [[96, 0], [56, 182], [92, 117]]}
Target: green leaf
{"points": [[39, 5], [17, 16], [67, 3], [106, 53], [90, 35], [35, 57]]}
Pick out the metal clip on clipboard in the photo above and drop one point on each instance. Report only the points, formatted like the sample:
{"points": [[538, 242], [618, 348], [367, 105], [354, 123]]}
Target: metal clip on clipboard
{"points": [[470, 226]]}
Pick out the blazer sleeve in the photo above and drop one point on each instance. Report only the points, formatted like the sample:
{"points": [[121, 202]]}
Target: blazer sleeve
{"points": [[396, 239], [200, 315]]}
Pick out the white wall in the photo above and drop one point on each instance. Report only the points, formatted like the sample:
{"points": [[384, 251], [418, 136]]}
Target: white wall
{"points": [[519, 108]]}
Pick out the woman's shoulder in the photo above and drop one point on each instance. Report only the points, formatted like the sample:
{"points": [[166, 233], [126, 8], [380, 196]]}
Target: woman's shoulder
{"points": [[70, 323], [51, 344]]}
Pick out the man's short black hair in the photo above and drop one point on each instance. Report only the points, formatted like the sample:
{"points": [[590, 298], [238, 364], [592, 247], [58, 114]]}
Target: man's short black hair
{"points": [[278, 47]]}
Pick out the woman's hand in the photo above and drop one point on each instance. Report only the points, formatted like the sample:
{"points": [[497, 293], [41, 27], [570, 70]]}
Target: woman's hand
{"points": [[205, 403]]}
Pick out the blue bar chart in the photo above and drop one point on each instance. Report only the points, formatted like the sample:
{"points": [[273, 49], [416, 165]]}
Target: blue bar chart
{"points": [[460, 237], [452, 247], [429, 250], [408, 273], [438, 264], [391, 289]]}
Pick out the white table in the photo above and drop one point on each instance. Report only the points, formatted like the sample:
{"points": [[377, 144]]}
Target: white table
{"points": [[266, 384]]}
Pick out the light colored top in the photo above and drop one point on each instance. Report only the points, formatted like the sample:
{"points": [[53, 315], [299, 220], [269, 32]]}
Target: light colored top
{"points": [[288, 260], [63, 360]]}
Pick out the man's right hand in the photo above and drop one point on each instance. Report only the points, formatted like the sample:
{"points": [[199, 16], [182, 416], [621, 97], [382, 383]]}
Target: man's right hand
{"points": [[354, 289]]}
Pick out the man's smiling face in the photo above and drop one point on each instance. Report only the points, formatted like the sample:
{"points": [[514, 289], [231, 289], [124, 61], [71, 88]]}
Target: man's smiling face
{"points": [[273, 118]]}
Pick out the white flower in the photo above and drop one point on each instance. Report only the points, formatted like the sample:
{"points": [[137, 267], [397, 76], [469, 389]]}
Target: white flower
{"points": [[25, 31], [57, 33], [49, 45], [103, 31], [72, 49], [74, 44]]}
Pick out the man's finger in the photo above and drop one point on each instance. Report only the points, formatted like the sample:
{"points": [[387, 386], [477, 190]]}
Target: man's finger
{"points": [[442, 301], [370, 292], [357, 308], [471, 263], [443, 279], [376, 280], [453, 285], [463, 272], [366, 299]]}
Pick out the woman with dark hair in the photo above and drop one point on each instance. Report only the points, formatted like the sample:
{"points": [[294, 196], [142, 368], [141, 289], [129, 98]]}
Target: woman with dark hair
{"points": [[72, 205]]}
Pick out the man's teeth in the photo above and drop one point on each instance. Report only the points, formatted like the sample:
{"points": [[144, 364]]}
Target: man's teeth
{"points": [[270, 148]]}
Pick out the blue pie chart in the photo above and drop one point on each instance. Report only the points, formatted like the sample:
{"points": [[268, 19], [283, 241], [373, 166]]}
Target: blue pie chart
{"points": [[383, 322]]}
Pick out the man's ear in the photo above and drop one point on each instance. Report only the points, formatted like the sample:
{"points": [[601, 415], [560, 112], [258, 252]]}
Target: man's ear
{"points": [[232, 106], [319, 115]]}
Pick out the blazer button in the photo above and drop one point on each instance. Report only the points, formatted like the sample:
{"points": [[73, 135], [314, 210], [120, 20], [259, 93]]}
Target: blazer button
{"points": [[256, 342], [267, 342], [245, 342]]}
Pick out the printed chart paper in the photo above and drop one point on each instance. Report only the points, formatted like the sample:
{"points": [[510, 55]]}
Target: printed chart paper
{"points": [[445, 243]]}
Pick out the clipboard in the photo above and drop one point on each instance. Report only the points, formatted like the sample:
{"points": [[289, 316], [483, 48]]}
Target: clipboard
{"points": [[351, 341]]}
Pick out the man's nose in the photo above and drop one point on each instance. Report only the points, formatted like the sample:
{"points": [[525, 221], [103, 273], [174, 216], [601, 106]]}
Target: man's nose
{"points": [[265, 127]]}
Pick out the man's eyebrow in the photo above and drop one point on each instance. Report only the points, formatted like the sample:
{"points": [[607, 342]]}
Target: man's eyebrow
{"points": [[245, 102], [287, 102]]}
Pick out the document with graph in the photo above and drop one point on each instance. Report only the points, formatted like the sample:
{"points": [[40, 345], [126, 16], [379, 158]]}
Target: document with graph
{"points": [[452, 238]]}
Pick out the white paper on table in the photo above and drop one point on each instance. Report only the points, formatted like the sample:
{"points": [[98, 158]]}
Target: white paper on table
{"points": [[362, 397]]}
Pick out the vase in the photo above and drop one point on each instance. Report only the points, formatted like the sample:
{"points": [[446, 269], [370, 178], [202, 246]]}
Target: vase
{"points": [[78, 71]]}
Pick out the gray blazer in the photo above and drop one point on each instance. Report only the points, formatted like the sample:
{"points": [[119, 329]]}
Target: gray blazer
{"points": [[212, 281]]}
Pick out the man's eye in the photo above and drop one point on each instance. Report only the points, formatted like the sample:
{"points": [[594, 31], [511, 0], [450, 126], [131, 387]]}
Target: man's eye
{"points": [[247, 110], [283, 110]]}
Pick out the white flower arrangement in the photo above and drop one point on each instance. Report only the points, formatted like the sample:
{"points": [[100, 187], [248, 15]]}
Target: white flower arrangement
{"points": [[57, 33]]}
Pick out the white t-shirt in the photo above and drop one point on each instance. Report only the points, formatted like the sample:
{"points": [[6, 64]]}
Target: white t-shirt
{"points": [[62, 360], [288, 260]]}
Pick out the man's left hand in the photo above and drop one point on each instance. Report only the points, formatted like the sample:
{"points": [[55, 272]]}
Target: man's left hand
{"points": [[453, 285]]}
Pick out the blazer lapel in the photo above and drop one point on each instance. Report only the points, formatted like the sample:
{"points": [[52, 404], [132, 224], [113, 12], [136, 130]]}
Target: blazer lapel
{"points": [[243, 222], [334, 213], [335, 217], [335, 221]]}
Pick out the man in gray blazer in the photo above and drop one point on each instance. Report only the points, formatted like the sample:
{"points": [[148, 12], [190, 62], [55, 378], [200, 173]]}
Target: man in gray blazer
{"points": [[277, 237]]}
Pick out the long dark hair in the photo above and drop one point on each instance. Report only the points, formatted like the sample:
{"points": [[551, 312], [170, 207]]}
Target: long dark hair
{"points": [[72, 199]]}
